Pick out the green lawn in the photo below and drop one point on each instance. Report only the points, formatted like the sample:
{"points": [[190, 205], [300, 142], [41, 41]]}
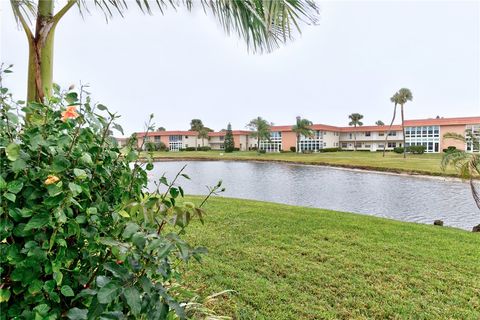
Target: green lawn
{"points": [[289, 262], [424, 164]]}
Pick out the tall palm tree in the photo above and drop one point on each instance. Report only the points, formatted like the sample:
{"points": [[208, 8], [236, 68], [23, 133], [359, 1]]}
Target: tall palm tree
{"points": [[393, 99], [355, 121], [405, 95], [260, 129], [379, 123], [467, 164], [263, 24], [302, 128]]}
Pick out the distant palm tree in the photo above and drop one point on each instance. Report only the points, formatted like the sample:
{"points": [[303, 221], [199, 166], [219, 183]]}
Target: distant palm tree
{"points": [[260, 128], [393, 99], [467, 164], [405, 95], [379, 123], [203, 134], [302, 128], [355, 121]]}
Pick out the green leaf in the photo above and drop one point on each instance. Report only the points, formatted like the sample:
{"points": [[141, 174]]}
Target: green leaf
{"points": [[60, 164], [3, 184], [75, 188], [15, 186], [77, 314], [4, 295], [10, 196], [133, 299], [124, 213], [18, 165], [129, 230], [108, 292], [58, 277], [38, 221], [13, 151], [71, 97], [101, 107], [86, 159], [80, 174], [67, 291], [42, 309]]}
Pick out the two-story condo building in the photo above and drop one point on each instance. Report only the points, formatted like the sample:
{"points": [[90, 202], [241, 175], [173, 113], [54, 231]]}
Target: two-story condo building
{"points": [[426, 132]]}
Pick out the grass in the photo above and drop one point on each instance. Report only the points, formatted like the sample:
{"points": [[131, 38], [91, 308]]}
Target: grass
{"points": [[288, 262], [415, 164]]}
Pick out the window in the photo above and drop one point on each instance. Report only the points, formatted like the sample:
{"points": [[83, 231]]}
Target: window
{"points": [[392, 133], [428, 136], [344, 144], [381, 134], [367, 134], [174, 138], [381, 146], [392, 145], [367, 146], [274, 144], [157, 139], [186, 137], [222, 138], [358, 145]]}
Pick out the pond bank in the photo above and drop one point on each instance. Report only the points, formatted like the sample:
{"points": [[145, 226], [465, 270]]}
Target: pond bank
{"points": [[367, 168]]}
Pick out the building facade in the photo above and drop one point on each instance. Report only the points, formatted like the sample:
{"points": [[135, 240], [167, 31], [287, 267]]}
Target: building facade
{"points": [[426, 132]]}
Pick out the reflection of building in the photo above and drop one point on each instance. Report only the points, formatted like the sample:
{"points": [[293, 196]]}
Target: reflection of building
{"points": [[425, 132]]}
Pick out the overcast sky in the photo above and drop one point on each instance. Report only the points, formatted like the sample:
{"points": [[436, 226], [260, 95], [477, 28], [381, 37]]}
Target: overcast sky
{"points": [[182, 66]]}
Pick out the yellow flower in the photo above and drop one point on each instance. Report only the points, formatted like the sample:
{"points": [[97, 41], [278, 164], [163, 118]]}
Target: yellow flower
{"points": [[70, 113], [51, 179]]}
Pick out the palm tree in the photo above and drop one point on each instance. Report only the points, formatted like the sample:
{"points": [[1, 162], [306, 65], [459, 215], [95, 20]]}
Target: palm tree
{"points": [[379, 123], [263, 24], [393, 99], [260, 128], [203, 134], [404, 95], [355, 121], [467, 164], [302, 128]]}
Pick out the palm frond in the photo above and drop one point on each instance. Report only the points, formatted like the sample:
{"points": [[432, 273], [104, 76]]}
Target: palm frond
{"points": [[263, 24]]}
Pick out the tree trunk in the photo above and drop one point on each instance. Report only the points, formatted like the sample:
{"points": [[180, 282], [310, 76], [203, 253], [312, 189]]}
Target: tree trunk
{"points": [[389, 129], [298, 143], [40, 70], [403, 131], [354, 138]]}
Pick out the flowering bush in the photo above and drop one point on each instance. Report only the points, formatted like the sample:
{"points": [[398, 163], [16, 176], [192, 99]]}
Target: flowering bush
{"points": [[80, 237]]}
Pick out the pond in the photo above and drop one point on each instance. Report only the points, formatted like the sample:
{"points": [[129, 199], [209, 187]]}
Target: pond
{"points": [[399, 197]]}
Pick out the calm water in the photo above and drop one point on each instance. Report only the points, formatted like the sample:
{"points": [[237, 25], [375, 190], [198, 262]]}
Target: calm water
{"points": [[405, 198]]}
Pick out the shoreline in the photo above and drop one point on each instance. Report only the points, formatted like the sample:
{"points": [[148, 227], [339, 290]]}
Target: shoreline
{"points": [[357, 168]]}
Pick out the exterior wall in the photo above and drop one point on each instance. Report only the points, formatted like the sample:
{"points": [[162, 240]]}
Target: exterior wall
{"points": [[242, 141], [444, 143], [331, 139], [289, 139], [374, 142], [164, 139]]}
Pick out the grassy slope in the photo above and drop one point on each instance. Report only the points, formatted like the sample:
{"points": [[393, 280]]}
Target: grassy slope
{"points": [[290, 262], [426, 163]]}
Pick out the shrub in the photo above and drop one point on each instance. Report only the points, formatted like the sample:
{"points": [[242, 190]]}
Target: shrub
{"points": [[398, 149], [450, 149], [417, 149], [189, 149], [79, 236], [236, 149], [262, 151], [253, 148], [161, 146], [329, 150], [293, 149], [204, 148]]}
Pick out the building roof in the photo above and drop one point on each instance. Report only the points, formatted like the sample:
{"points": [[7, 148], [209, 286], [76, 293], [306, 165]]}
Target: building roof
{"points": [[443, 121], [395, 127], [234, 132], [323, 127], [167, 133]]}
